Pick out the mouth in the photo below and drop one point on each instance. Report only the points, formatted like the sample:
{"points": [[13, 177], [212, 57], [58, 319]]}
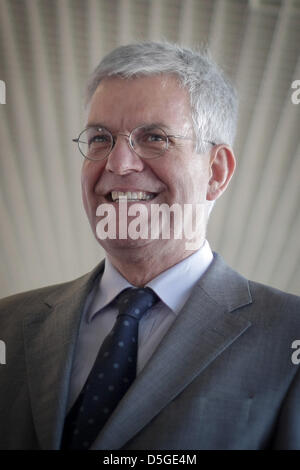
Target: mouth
{"points": [[131, 196]]}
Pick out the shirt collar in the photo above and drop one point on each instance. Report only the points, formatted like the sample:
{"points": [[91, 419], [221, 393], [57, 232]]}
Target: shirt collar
{"points": [[173, 286]]}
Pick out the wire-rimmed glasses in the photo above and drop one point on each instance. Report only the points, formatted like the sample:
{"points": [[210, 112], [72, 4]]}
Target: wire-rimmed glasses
{"points": [[147, 141]]}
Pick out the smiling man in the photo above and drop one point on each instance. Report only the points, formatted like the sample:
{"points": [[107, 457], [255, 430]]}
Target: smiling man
{"points": [[137, 110], [161, 346]]}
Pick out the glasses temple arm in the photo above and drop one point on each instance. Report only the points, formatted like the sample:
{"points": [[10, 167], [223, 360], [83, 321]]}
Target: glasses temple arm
{"points": [[190, 138]]}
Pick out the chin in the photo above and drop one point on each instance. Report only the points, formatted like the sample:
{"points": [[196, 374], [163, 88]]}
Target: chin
{"points": [[129, 250]]}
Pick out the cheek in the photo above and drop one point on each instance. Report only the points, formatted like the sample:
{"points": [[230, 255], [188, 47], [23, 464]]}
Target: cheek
{"points": [[90, 174]]}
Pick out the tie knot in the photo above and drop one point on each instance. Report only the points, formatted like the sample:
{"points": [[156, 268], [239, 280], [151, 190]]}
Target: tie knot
{"points": [[135, 301]]}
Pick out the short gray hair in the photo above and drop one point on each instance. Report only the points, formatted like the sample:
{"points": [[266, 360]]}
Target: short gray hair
{"points": [[212, 97]]}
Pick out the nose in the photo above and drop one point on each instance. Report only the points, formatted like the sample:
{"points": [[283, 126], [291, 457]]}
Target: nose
{"points": [[122, 160]]}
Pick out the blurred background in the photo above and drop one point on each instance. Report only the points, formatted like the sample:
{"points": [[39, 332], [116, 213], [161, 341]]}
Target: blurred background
{"points": [[47, 50]]}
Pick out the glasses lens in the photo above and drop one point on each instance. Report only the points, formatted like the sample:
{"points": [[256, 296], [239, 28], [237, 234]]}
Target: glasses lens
{"points": [[149, 142], [95, 143]]}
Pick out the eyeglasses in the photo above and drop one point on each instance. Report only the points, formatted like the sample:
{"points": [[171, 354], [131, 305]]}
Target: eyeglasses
{"points": [[148, 141]]}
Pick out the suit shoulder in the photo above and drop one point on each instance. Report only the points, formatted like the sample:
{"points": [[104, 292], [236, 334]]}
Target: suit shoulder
{"points": [[271, 294], [274, 303], [31, 297], [29, 301]]}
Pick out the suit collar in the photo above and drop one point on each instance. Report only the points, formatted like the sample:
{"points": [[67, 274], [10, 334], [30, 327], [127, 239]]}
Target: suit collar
{"points": [[225, 286], [63, 293]]}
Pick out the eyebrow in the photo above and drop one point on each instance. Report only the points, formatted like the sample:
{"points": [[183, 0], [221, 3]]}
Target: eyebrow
{"points": [[158, 124], [149, 125], [95, 124]]}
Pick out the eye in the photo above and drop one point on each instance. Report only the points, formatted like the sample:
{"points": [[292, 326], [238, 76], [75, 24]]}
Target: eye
{"points": [[154, 138], [99, 139]]}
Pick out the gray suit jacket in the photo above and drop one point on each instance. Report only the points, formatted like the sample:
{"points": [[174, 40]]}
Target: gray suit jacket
{"points": [[222, 377]]}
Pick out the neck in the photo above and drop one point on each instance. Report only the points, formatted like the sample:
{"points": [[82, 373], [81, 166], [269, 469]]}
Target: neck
{"points": [[138, 270]]}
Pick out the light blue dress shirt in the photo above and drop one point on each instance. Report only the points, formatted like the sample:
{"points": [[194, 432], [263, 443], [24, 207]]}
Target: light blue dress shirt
{"points": [[172, 286]]}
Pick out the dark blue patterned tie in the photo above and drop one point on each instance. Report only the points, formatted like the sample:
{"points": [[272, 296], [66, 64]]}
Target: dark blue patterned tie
{"points": [[112, 374]]}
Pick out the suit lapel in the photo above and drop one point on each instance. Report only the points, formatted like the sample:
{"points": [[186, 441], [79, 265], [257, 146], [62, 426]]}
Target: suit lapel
{"points": [[203, 330], [50, 337]]}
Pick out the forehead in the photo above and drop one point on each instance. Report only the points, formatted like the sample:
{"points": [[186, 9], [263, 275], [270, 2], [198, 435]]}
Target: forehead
{"points": [[125, 103]]}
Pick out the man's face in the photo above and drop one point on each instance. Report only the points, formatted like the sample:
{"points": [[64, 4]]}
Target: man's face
{"points": [[178, 176]]}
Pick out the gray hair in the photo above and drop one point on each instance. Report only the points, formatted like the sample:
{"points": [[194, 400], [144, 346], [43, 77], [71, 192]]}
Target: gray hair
{"points": [[212, 97]]}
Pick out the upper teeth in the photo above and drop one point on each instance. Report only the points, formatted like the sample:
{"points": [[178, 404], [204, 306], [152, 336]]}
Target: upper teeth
{"points": [[139, 195]]}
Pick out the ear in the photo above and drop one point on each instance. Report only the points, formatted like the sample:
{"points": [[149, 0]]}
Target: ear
{"points": [[222, 165]]}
